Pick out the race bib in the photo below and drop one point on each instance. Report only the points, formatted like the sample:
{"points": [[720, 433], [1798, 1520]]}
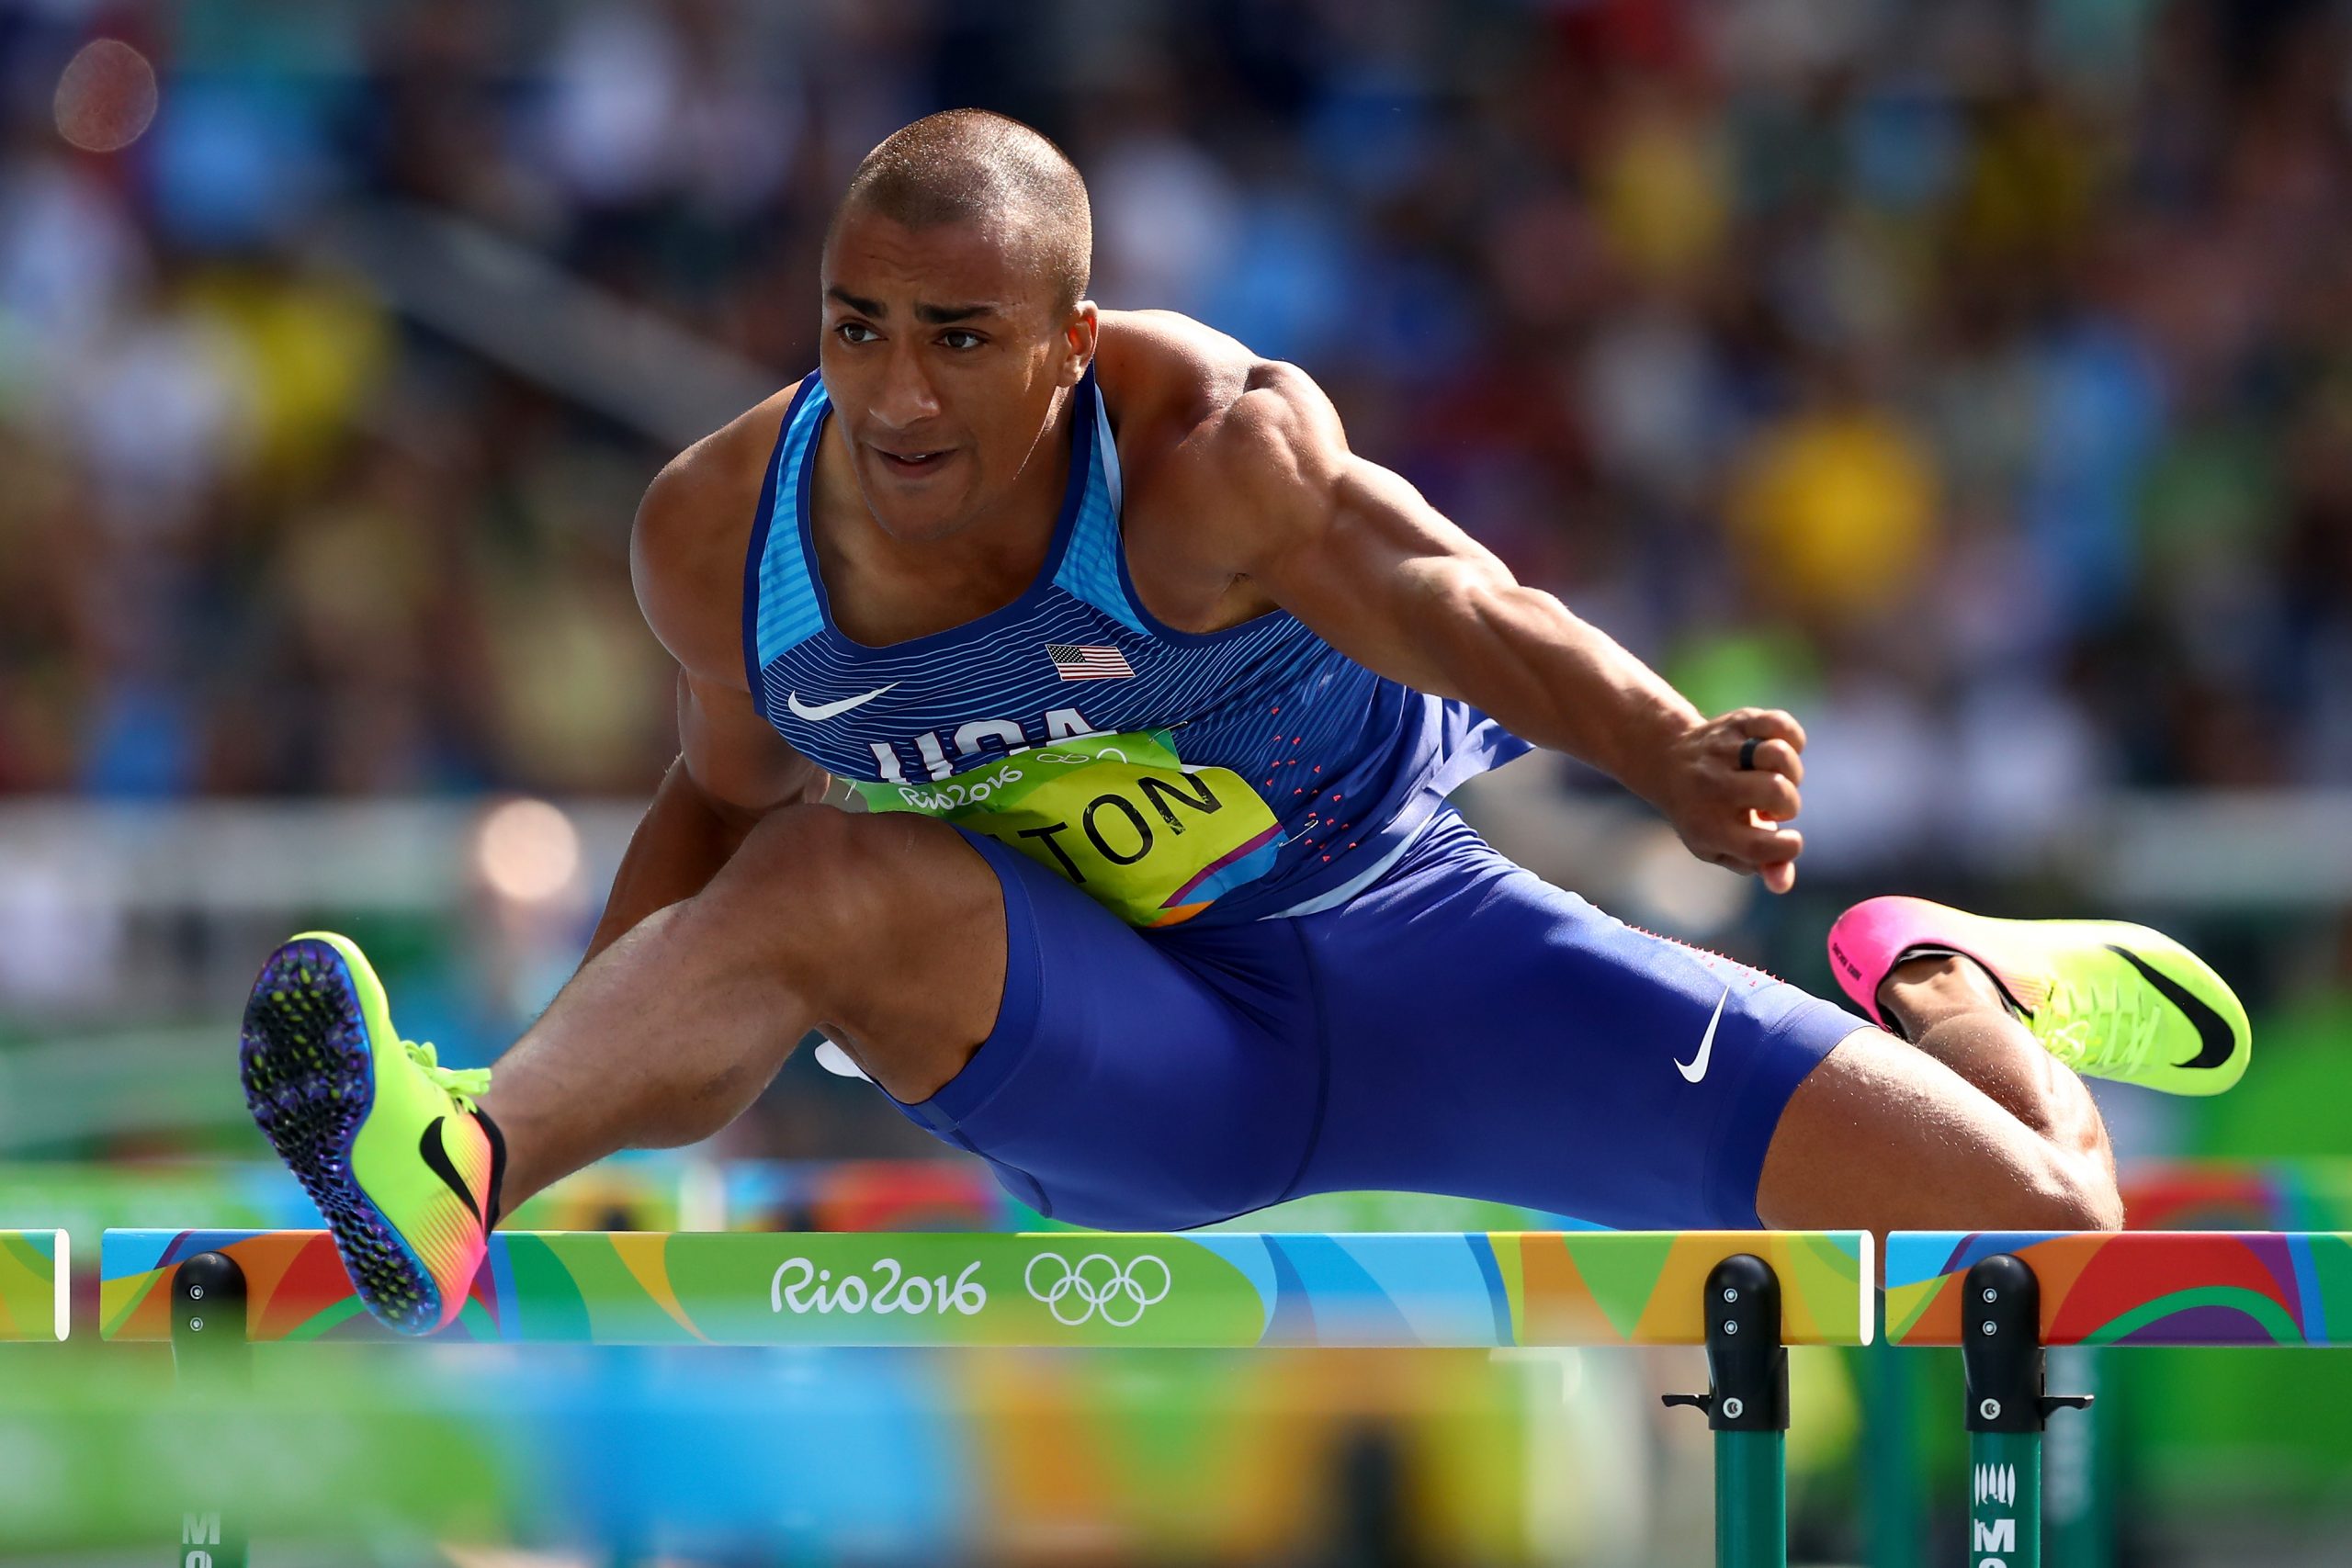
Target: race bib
{"points": [[1154, 840]]}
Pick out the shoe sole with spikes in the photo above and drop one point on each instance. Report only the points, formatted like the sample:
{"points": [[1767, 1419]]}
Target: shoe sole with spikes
{"points": [[381, 1149]]}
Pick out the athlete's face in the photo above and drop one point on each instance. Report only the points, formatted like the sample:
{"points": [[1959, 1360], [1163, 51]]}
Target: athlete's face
{"points": [[944, 350]]}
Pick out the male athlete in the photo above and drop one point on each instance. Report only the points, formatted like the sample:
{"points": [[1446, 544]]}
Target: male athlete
{"points": [[1156, 692]]}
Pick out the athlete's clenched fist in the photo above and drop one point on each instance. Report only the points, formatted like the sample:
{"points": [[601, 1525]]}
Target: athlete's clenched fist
{"points": [[1728, 785]]}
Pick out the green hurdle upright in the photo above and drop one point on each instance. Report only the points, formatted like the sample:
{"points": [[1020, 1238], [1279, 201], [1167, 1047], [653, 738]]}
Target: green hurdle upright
{"points": [[1743, 1294], [2004, 1297], [1748, 1408], [35, 1284]]}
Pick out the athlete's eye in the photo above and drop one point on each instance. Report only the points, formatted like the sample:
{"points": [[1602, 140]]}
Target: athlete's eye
{"points": [[970, 340], [849, 331]]}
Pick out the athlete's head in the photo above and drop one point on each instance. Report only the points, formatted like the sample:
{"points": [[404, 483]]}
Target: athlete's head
{"points": [[954, 279]]}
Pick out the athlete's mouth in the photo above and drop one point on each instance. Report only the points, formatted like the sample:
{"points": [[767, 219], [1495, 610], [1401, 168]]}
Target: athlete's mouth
{"points": [[913, 462]]}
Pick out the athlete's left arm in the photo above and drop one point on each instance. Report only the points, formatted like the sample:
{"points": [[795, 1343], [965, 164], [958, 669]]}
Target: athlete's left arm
{"points": [[1354, 551]]}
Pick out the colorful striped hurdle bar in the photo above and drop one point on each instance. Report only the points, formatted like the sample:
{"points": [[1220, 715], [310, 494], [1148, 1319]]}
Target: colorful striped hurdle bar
{"points": [[1745, 1295], [35, 1269], [2083, 1515], [2002, 1298]]}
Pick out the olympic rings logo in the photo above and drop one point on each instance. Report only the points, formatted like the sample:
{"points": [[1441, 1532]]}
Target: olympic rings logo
{"points": [[1119, 1292]]}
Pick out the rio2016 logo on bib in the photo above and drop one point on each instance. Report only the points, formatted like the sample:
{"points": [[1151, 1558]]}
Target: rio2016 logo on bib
{"points": [[1121, 816]]}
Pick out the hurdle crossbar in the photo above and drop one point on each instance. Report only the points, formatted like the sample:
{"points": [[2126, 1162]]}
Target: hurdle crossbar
{"points": [[1746, 1295], [34, 1284], [2133, 1286], [1199, 1288], [2002, 1298]]}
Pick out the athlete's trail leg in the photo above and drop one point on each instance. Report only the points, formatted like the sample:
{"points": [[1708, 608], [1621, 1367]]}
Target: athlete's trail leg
{"points": [[887, 931], [1974, 1125], [1950, 1009]]}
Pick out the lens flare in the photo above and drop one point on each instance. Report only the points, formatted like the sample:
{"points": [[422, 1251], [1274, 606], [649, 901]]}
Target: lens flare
{"points": [[528, 851], [106, 96]]}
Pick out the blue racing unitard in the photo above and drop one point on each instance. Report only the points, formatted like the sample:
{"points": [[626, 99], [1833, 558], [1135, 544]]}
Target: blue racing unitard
{"points": [[1172, 775], [1250, 953]]}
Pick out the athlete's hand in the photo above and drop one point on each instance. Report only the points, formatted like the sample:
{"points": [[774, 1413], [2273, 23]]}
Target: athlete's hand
{"points": [[1730, 817]]}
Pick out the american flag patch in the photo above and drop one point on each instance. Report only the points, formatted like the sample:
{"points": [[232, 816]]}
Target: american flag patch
{"points": [[1073, 662]]}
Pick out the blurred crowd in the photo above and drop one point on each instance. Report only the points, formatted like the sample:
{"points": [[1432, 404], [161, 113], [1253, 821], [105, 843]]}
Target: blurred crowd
{"points": [[1974, 378]]}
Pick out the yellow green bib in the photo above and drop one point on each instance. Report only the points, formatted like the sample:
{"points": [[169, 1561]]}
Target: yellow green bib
{"points": [[1123, 817]]}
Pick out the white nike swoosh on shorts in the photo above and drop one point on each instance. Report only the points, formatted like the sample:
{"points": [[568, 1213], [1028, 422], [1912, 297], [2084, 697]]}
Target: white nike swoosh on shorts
{"points": [[1696, 1068], [829, 710]]}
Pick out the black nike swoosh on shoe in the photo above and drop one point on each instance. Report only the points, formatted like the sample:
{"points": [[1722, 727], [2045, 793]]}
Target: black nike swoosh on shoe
{"points": [[2217, 1040], [437, 1160]]}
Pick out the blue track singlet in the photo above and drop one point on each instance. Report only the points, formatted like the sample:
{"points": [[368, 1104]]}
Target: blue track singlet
{"points": [[1173, 776]]}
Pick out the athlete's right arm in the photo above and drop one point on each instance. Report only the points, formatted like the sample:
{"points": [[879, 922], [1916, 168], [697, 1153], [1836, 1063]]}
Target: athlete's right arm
{"points": [[686, 560]]}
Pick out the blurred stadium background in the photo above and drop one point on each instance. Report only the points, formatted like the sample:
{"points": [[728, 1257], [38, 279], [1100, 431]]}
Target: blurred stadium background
{"points": [[1972, 377]]}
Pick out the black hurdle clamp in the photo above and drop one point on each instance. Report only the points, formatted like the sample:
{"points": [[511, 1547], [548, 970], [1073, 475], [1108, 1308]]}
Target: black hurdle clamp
{"points": [[2001, 1349], [1747, 1365], [210, 1333], [212, 1349]]}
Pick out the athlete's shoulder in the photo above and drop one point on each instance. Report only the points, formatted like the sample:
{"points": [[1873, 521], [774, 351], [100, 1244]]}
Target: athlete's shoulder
{"points": [[1169, 377], [1193, 387], [687, 549], [1226, 433]]}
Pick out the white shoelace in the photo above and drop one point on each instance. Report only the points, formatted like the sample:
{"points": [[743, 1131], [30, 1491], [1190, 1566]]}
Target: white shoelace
{"points": [[2130, 1013]]}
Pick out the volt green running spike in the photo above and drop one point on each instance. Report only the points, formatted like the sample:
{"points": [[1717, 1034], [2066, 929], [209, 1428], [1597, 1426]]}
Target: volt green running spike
{"points": [[382, 1136], [2110, 1001]]}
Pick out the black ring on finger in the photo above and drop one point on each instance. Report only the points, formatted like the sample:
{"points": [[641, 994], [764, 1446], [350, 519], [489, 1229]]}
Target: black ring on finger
{"points": [[1747, 753]]}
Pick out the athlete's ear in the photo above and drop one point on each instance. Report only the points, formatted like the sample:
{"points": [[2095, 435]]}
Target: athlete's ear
{"points": [[1079, 337]]}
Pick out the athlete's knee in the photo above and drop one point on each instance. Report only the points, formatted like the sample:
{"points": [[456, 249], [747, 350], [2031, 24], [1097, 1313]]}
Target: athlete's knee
{"points": [[2050, 1187], [2081, 1195], [790, 844], [827, 893], [805, 875], [1880, 1136]]}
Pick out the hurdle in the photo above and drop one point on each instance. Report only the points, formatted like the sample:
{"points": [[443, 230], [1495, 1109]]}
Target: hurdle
{"points": [[1745, 1295], [35, 1285], [2004, 1298], [2081, 1514]]}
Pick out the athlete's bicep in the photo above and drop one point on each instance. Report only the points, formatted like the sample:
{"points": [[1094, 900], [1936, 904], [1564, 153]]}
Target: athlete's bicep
{"points": [[1351, 548]]}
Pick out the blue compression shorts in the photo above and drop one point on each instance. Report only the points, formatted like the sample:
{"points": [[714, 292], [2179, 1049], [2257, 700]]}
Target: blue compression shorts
{"points": [[1460, 1027]]}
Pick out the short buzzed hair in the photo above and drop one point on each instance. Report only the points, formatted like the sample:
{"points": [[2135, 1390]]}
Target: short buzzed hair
{"points": [[971, 165]]}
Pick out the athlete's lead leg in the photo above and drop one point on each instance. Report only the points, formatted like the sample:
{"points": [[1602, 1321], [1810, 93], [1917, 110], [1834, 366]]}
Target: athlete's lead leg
{"points": [[886, 931]]}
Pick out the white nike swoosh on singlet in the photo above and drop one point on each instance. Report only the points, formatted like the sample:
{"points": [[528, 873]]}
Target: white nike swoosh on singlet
{"points": [[1696, 1068], [829, 710]]}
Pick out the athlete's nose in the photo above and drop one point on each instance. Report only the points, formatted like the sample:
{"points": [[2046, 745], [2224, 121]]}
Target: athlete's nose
{"points": [[906, 398]]}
